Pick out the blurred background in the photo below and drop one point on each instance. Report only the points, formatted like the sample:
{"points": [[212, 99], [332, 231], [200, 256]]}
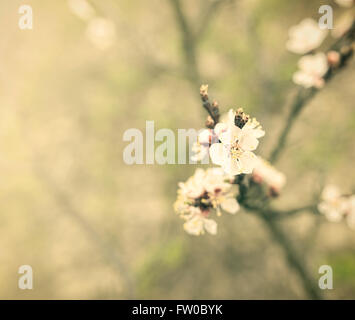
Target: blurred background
{"points": [[93, 227]]}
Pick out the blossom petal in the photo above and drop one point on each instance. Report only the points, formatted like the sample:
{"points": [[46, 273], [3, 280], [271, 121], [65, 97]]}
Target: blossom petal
{"points": [[217, 153], [194, 226], [303, 79], [231, 167], [247, 161], [331, 213], [231, 117], [258, 133], [248, 142], [204, 136], [330, 192], [230, 205], [219, 128], [210, 226], [231, 135]]}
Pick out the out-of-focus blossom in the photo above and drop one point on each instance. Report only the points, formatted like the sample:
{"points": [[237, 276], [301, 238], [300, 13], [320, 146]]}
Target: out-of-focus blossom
{"points": [[305, 37], [200, 151], [205, 191], [333, 205], [264, 172], [350, 212], [345, 3], [101, 32], [336, 206], [312, 68], [238, 138], [82, 9]]}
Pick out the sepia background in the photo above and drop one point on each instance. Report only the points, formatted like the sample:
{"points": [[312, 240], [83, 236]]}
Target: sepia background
{"points": [[93, 227]]}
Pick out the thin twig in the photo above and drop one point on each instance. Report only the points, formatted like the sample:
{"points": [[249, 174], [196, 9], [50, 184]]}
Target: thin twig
{"points": [[211, 108]]}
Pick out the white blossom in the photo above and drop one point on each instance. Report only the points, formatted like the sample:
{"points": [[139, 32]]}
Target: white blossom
{"points": [[203, 192], [252, 123], [305, 36], [265, 172], [333, 205], [201, 147], [254, 126], [350, 211], [193, 188], [234, 152], [101, 32], [198, 224], [312, 68]]}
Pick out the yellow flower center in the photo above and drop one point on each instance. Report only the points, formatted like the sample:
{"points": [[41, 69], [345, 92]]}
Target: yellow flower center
{"points": [[235, 151]]}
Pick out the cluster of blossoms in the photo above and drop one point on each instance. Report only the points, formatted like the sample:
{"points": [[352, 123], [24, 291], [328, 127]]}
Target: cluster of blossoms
{"points": [[304, 38], [101, 32], [230, 142], [307, 36], [336, 206], [230, 145], [206, 191]]}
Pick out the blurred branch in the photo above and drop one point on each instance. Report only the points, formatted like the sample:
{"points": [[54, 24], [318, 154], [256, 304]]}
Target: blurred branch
{"points": [[206, 17], [294, 260], [273, 213], [189, 44], [312, 235], [303, 96], [344, 47], [269, 217], [191, 35]]}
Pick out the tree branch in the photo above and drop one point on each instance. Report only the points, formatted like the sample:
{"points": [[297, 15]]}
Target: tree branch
{"points": [[206, 17], [294, 260], [274, 213], [343, 47], [212, 109], [188, 43]]}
